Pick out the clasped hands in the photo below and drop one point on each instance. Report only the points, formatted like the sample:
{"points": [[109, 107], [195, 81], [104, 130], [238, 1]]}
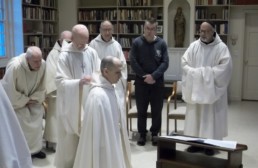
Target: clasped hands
{"points": [[149, 79]]}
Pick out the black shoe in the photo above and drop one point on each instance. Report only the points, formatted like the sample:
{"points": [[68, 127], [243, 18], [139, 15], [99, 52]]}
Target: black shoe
{"points": [[209, 152], [194, 149], [154, 141], [40, 155], [141, 141]]}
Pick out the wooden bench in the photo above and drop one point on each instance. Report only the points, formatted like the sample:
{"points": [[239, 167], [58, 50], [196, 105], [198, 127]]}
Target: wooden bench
{"points": [[169, 156]]}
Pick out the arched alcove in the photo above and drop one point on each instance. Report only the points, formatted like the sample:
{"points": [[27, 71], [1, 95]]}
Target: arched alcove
{"points": [[172, 9], [174, 71]]}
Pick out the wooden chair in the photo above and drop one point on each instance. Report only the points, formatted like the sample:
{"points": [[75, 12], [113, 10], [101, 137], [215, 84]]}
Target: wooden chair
{"points": [[178, 113], [131, 111]]}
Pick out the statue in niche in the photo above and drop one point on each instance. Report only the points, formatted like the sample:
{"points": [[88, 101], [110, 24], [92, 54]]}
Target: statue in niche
{"points": [[179, 28]]}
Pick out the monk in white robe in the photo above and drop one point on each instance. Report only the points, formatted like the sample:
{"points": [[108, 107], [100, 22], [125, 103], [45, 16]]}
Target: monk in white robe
{"points": [[25, 86], [50, 132], [106, 45], [77, 62], [207, 70], [14, 151], [104, 140]]}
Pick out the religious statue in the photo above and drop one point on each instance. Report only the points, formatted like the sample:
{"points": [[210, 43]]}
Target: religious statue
{"points": [[179, 28]]}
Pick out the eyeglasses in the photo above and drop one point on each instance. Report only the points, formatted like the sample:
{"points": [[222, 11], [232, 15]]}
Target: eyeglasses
{"points": [[151, 29], [204, 31], [106, 30]]}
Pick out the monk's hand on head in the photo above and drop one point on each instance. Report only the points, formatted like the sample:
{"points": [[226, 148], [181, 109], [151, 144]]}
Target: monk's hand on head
{"points": [[85, 80]]}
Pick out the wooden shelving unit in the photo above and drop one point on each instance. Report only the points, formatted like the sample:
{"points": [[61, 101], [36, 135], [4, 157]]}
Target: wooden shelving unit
{"points": [[40, 24], [127, 17]]}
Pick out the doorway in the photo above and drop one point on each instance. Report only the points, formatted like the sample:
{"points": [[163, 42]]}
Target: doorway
{"points": [[250, 78]]}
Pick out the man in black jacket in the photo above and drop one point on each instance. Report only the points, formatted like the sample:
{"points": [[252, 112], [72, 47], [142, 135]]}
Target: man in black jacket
{"points": [[149, 60]]}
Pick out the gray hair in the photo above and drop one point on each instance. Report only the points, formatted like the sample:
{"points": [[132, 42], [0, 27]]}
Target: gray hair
{"points": [[33, 51], [107, 62]]}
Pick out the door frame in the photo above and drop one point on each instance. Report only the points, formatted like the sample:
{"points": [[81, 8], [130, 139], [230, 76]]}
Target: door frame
{"points": [[246, 13]]}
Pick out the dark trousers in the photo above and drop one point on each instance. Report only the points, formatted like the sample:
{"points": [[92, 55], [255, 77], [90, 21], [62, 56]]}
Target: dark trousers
{"points": [[149, 94]]}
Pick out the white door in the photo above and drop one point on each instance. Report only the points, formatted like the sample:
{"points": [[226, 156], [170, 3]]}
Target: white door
{"points": [[250, 82]]}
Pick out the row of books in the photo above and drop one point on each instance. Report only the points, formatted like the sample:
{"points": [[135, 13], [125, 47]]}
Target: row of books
{"points": [[32, 13], [135, 14], [46, 3], [97, 15], [125, 42], [49, 3], [48, 42], [45, 42], [204, 13], [134, 2], [130, 28], [49, 15], [122, 28], [212, 2], [38, 13], [34, 41], [221, 28], [124, 14], [49, 28], [244, 2]]}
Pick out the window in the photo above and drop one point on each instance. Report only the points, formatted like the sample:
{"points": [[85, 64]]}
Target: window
{"points": [[11, 36], [2, 28]]}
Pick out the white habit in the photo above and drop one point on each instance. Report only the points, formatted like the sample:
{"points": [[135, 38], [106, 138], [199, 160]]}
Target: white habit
{"points": [[50, 133], [21, 84], [14, 151], [206, 75], [72, 65], [112, 48], [104, 141]]}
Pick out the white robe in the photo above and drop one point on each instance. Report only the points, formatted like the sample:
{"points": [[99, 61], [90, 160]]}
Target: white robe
{"points": [[112, 48], [104, 141], [72, 66], [50, 132], [21, 84], [206, 75], [14, 151]]}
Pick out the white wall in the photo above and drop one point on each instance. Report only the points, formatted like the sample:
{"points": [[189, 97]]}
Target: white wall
{"points": [[237, 26], [236, 23], [67, 14]]}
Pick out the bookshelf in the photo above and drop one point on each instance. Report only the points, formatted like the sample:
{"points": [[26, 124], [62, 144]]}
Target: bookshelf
{"points": [[40, 24], [216, 11], [127, 17]]}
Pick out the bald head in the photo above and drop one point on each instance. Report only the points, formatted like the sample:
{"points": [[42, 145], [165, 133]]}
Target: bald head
{"points": [[106, 30], [65, 35], [80, 36], [206, 32], [34, 57], [111, 68]]}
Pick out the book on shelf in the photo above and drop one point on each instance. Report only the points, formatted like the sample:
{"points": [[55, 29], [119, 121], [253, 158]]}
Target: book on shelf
{"points": [[134, 2]]}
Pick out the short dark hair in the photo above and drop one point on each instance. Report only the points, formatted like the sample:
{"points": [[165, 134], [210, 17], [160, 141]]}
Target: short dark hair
{"points": [[107, 62], [151, 20]]}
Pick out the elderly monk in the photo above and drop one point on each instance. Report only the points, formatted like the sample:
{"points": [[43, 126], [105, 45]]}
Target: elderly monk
{"points": [[206, 74], [50, 133], [106, 45], [77, 62], [25, 87]]}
